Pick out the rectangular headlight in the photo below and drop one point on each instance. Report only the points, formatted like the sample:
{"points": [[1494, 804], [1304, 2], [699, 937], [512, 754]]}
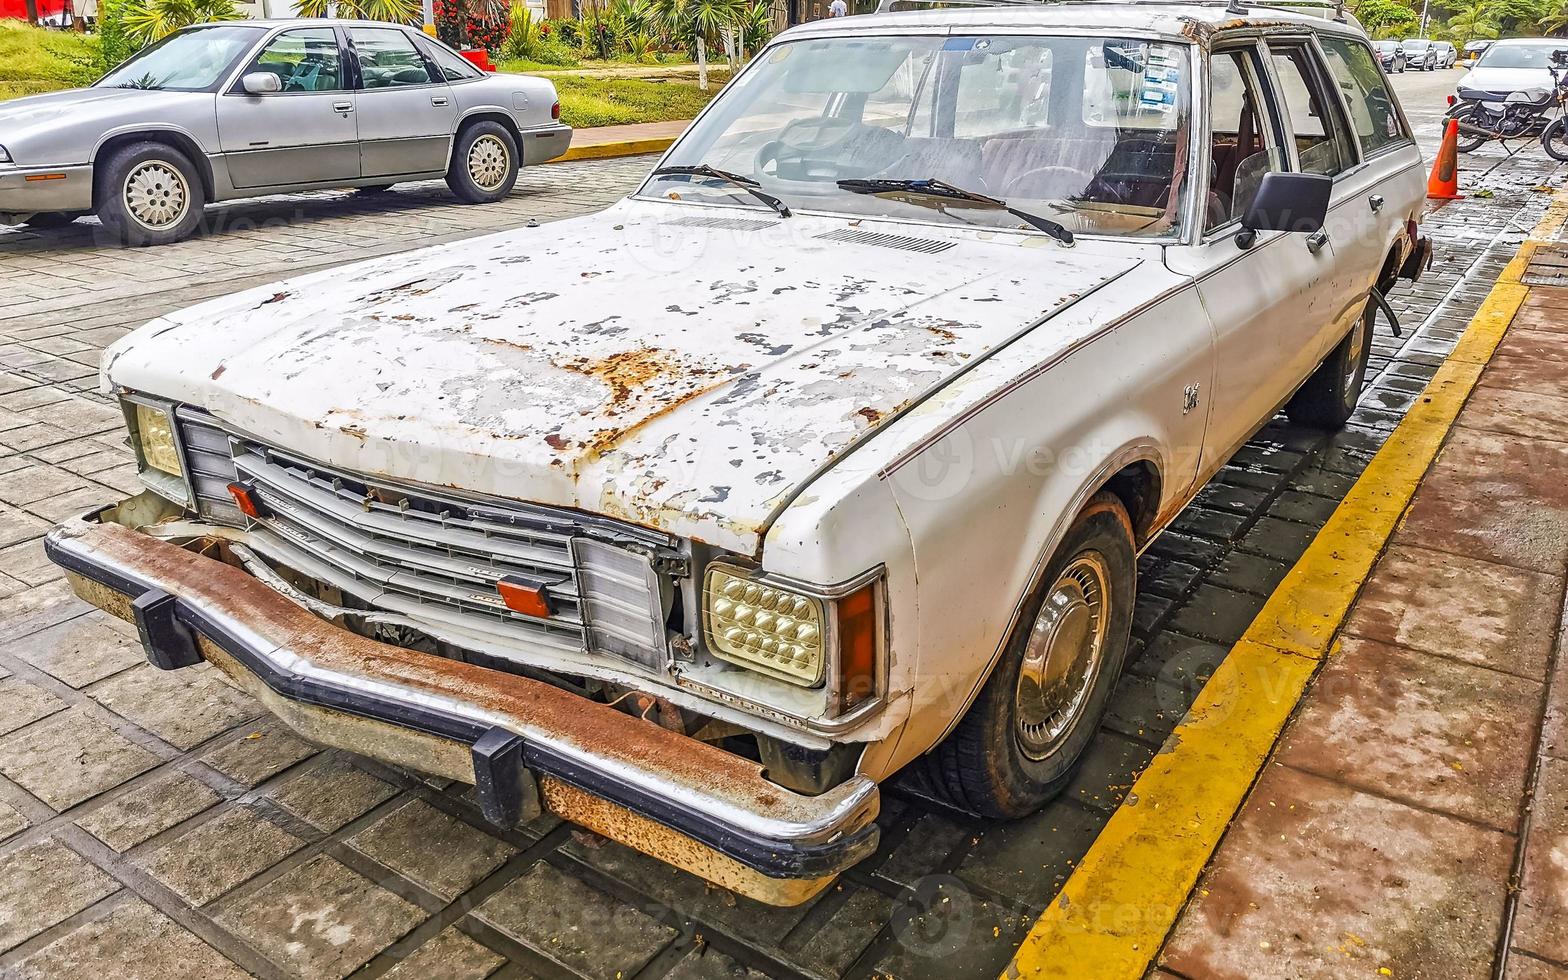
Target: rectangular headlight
{"points": [[767, 628], [155, 440]]}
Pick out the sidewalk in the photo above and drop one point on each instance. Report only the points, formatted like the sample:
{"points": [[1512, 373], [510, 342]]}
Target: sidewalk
{"points": [[1413, 818]]}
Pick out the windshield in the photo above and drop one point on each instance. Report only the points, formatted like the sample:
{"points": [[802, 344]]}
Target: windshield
{"points": [[1385, 45], [1519, 55], [1084, 131], [189, 61], [1417, 45]]}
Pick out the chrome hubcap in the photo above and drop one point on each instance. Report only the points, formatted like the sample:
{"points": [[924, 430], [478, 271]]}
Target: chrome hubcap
{"points": [[488, 162], [156, 194], [1063, 656]]}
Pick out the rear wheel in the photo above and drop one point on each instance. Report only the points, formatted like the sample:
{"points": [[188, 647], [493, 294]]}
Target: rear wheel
{"points": [[1024, 737], [150, 194], [1329, 397], [484, 163], [1555, 139], [1470, 142]]}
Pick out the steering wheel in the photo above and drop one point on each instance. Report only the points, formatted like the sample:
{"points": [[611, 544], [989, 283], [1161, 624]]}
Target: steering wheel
{"points": [[1022, 180], [803, 142]]}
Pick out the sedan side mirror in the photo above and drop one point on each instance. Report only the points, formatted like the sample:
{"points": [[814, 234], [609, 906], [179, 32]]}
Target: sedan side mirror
{"points": [[1286, 202], [261, 83]]}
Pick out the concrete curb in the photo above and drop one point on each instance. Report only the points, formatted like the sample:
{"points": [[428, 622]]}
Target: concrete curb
{"points": [[1115, 910], [617, 148]]}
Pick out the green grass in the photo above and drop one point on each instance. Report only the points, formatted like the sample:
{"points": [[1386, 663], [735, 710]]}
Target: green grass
{"points": [[33, 60], [588, 102]]}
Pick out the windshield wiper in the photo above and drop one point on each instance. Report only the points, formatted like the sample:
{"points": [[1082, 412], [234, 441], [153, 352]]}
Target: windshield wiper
{"points": [[941, 188], [744, 183]]}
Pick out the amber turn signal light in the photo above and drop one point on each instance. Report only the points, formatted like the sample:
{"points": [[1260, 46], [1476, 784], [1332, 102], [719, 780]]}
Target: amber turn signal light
{"points": [[857, 648], [531, 597], [244, 500]]}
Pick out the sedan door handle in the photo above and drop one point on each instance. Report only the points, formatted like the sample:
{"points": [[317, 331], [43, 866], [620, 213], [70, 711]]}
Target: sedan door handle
{"points": [[342, 107], [438, 101], [1317, 240], [1375, 202]]}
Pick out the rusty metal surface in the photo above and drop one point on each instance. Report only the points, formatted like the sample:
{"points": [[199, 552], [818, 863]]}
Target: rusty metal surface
{"points": [[667, 764], [631, 363]]}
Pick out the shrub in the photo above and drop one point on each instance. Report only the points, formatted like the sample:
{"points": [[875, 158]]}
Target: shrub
{"points": [[115, 43]]}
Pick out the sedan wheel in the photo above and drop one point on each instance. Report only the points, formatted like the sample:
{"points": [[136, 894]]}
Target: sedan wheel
{"points": [[484, 164], [1062, 657], [149, 194]]}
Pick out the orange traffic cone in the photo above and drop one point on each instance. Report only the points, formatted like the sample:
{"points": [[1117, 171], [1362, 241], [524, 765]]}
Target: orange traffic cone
{"points": [[1443, 185]]}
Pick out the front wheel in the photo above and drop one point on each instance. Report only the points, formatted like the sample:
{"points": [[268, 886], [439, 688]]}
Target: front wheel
{"points": [[1329, 397], [484, 163], [150, 194], [1022, 740], [1554, 139]]}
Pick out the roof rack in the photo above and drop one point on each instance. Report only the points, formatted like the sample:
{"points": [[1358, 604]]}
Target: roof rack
{"points": [[1237, 7]]}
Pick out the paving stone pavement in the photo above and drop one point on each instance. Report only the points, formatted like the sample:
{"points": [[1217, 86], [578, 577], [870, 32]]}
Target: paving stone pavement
{"points": [[157, 825]]}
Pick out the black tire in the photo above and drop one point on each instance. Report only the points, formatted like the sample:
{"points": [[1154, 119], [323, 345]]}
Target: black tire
{"points": [[490, 138], [1329, 397], [1468, 142], [1554, 139], [375, 188], [52, 219], [169, 194], [983, 766]]}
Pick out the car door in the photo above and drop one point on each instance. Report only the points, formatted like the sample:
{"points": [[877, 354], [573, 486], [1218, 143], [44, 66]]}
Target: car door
{"points": [[1321, 136], [305, 132], [406, 115], [1266, 299]]}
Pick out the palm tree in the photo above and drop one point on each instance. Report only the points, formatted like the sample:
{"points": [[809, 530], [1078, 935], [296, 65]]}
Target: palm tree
{"points": [[149, 20], [1479, 19], [1556, 20], [393, 11], [700, 21]]}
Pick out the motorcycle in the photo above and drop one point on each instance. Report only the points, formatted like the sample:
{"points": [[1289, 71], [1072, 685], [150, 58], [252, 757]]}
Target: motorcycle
{"points": [[1487, 116]]}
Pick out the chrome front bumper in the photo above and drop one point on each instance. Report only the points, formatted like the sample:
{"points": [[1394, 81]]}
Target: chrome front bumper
{"points": [[515, 739], [30, 190]]}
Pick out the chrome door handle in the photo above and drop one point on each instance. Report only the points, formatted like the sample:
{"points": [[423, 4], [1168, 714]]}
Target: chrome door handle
{"points": [[1317, 240], [342, 107], [438, 101], [1375, 202]]}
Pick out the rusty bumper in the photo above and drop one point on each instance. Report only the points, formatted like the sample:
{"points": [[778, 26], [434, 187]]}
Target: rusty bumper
{"points": [[685, 802]]}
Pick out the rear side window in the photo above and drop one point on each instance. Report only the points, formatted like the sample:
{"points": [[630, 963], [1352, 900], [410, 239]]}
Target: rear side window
{"points": [[1372, 111], [388, 58], [1322, 144]]}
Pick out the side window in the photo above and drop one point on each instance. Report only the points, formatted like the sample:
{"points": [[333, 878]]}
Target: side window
{"points": [[388, 58], [451, 64], [305, 60], [1322, 143], [1372, 111], [1241, 141]]}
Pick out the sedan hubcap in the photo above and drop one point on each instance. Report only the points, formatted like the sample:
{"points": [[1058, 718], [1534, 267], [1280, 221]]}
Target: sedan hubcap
{"points": [[156, 194], [1063, 656], [488, 162]]}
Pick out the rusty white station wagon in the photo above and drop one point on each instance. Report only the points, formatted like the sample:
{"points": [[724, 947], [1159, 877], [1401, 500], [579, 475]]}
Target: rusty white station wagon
{"points": [[826, 454]]}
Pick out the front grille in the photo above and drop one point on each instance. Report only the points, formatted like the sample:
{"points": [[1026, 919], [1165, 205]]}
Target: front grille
{"points": [[432, 557]]}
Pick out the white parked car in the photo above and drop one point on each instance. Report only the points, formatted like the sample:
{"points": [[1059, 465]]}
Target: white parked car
{"points": [[826, 453]]}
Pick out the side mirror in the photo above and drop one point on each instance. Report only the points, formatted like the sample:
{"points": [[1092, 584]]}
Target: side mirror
{"points": [[1286, 202], [261, 83]]}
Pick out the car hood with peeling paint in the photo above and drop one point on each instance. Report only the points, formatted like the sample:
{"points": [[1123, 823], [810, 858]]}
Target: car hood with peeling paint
{"points": [[678, 367]]}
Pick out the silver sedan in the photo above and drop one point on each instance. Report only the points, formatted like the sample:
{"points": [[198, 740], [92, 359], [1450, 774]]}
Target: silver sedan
{"points": [[225, 111]]}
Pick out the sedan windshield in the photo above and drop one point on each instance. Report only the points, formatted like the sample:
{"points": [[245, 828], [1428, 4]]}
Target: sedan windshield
{"points": [[1520, 55], [1416, 44], [189, 61], [1084, 132]]}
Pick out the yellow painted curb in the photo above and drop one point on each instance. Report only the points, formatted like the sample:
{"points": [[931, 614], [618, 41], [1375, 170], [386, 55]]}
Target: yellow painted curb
{"points": [[619, 148], [1122, 900]]}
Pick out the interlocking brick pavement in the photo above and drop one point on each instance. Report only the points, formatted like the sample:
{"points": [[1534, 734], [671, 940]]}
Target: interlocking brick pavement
{"points": [[160, 825]]}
